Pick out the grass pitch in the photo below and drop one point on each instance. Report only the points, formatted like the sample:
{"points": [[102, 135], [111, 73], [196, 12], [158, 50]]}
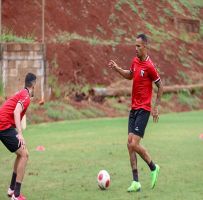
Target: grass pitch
{"points": [[77, 150]]}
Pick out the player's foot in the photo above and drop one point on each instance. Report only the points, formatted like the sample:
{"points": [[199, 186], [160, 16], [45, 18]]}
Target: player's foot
{"points": [[21, 197], [154, 176], [10, 192], [134, 187]]}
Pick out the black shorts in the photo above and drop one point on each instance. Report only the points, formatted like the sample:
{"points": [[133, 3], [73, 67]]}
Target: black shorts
{"points": [[137, 121], [9, 138]]}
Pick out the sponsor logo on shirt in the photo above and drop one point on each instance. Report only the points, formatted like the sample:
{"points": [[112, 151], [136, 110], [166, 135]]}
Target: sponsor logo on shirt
{"points": [[141, 72]]}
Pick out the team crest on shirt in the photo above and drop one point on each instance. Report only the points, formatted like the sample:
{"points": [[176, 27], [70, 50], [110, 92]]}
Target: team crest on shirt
{"points": [[141, 72]]}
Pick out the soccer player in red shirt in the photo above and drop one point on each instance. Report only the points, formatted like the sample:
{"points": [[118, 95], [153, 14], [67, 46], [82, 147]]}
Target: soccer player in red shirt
{"points": [[11, 135], [143, 73]]}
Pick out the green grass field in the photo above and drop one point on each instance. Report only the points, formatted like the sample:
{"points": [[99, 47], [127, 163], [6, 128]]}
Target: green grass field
{"points": [[77, 150]]}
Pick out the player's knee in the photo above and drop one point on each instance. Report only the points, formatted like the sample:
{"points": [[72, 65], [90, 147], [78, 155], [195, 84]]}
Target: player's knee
{"points": [[129, 146], [136, 147], [25, 154], [129, 140]]}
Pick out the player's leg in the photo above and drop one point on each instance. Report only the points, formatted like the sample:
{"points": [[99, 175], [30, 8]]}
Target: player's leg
{"points": [[22, 158], [9, 139], [133, 159], [146, 157], [140, 125], [133, 163], [13, 178], [135, 185], [138, 148]]}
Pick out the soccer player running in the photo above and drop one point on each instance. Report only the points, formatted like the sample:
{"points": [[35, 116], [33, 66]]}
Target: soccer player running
{"points": [[11, 135], [143, 73]]}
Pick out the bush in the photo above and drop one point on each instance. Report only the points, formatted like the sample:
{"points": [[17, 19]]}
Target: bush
{"points": [[185, 98], [92, 112], [61, 111]]}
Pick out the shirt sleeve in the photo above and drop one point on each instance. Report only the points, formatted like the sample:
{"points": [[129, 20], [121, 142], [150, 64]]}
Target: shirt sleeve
{"points": [[153, 73], [132, 67]]}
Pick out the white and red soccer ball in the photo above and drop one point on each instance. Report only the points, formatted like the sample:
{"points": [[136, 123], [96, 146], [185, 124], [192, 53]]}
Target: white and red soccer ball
{"points": [[103, 179]]}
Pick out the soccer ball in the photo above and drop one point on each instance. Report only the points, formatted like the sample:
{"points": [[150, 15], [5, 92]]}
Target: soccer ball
{"points": [[103, 179]]}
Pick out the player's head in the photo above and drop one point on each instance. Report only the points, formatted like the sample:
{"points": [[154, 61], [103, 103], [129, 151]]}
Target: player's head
{"points": [[141, 45], [30, 81]]}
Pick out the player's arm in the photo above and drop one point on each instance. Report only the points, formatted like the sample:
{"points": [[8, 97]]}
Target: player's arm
{"points": [[127, 74], [17, 112], [155, 112]]}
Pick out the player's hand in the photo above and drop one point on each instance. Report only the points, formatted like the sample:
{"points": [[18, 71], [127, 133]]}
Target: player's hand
{"points": [[21, 141], [112, 65], [155, 114]]}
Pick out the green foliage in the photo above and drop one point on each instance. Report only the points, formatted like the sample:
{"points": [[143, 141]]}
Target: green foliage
{"points": [[64, 37], [162, 20], [197, 92], [167, 97], [119, 32], [182, 48], [118, 39], [192, 6], [176, 6], [201, 30], [61, 111], [142, 14], [57, 110], [158, 34], [189, 38], [53, 83], [185, 61], [34, 107], [92, 112], [35, 118], [54, 62], [85, 88], [139, 2], [119, 4], [184, 77], [185, 98], [94, 41], [156, 46], [119, 107], [132, 6], [112, 18], [168, 12], [100, 29], [198, 3], [184, 36], [168, 54], [9, 36], [70, 89], [199, 62]]}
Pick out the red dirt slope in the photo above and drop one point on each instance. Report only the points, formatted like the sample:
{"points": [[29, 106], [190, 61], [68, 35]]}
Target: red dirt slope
{"points": [[179, 56]]}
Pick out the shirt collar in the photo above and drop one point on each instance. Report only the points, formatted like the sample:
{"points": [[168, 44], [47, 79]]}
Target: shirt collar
{"points": [[27, 91]]}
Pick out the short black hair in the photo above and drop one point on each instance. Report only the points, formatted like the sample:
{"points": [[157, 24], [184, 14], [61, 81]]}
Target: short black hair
{"points": [[143, 37], [29, 79]]}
